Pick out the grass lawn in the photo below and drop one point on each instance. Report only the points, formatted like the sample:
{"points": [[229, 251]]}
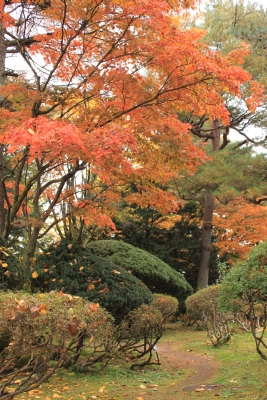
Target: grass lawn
{"points": [[243, 374]]}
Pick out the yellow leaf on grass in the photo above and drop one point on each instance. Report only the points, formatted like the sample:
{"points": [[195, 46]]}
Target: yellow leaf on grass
{"points": [[35, 391], [142, 386], [101, 390], [34, 275], [139, 398]]}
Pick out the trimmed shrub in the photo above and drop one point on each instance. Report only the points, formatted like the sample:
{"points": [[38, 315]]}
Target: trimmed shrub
{"points": [[167, 305], [75, 270], [138, 334], [202, 307], [44, 332], [156, 274]]}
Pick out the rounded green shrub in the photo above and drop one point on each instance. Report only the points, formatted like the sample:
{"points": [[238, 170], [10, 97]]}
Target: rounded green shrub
{"points": [[156, 274], [247, 280], [72, 268], [202, 303]]}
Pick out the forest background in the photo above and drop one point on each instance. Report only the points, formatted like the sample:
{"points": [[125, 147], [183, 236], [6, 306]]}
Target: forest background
{"points": [[119, 129]]}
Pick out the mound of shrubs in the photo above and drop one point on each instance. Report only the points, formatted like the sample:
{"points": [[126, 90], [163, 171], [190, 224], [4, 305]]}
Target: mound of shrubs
{"points": [[138, 334], [40, 333], [43, 332], [156, 274], [73, 269]]}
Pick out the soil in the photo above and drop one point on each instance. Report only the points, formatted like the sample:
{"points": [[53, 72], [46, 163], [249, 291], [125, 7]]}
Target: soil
{"points": [[199, 373]]}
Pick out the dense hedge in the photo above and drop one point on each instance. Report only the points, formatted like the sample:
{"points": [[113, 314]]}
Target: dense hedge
{"points": [[75, 270], [157, 275]]}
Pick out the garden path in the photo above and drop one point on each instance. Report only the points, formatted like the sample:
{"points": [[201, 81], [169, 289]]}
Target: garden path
{"points": [[199, 373]]}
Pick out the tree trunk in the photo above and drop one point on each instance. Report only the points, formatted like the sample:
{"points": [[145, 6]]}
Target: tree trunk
{"points": [[2, 83], [30, 247], [203, 272], [204, 265]]}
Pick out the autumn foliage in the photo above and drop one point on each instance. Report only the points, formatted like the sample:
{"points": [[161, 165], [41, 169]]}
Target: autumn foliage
{"points": [[240, 225], [102, 105]]}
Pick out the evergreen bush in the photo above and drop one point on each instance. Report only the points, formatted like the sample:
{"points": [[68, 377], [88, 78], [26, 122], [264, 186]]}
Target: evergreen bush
{"points": [[72, 268], [156, 274]]}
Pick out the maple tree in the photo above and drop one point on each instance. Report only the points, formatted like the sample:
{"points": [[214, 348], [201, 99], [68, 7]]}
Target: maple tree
{"points": [[97, 107], [240, 225]]}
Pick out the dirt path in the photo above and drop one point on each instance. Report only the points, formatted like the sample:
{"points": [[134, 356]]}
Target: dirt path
{"points": [[200, 370]]}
